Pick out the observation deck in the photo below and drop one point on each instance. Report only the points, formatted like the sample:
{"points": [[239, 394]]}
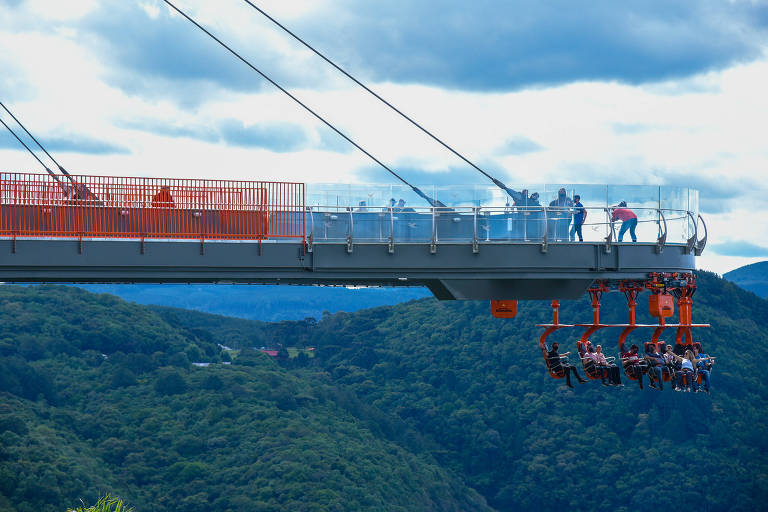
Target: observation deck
{"points": [[477, 246]]}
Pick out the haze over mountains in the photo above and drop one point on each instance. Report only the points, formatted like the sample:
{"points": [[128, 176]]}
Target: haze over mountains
{"points": [[277, 303], [752, 277], [260, 302], [425, 405]]}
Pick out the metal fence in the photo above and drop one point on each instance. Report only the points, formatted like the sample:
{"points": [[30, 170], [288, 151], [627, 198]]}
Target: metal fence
{"points": [[42, 205]]}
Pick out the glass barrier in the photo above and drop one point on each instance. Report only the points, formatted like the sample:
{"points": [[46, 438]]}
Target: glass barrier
{"points": [[537, 213], [514, 224]]}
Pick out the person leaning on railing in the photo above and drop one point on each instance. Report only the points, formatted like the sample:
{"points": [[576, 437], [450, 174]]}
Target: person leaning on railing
{"points": [[628, 220]]}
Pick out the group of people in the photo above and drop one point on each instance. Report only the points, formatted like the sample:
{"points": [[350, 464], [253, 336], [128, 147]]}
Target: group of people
{"points": [[683, 370], [594, 362], [566, 211]]}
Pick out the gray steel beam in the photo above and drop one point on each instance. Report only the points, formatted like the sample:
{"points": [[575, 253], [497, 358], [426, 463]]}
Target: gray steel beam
{"points": [[454, 271]]}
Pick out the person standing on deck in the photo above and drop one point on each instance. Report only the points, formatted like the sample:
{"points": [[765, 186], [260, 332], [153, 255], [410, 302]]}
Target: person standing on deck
{"points": [[579, 216], [560, 215], [628, 220]]}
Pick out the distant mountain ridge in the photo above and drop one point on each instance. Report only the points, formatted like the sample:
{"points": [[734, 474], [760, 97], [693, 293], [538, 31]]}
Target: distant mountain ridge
{"points": [[752, 277], [267, 303]]}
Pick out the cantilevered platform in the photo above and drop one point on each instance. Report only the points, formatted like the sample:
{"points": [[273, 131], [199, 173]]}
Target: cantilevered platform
{"points": [[476, 246], [451, 271]]}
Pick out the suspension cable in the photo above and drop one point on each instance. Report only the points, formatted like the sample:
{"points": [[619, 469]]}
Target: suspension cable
{"points": [[53, 174], [36, 141], [85, 189], [27, 147], [432, 202], [387, 103]]}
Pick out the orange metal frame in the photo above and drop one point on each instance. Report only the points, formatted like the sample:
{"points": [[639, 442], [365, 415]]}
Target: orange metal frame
{"points": [[631, 290], [120, 207]]}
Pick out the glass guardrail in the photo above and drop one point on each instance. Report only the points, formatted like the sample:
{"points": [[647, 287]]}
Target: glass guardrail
{"points": [[493, 224]]}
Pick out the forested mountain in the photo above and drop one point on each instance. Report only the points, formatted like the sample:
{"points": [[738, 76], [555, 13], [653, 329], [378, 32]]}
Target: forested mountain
{"points": [[477, 386], [98, 394], [752, 277], [413, 406], [260, 302]]}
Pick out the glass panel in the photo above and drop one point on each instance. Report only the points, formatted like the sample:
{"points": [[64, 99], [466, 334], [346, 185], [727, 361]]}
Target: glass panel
{"points": [[500, 218], [455, 225], [413, 226], [371, 225]]}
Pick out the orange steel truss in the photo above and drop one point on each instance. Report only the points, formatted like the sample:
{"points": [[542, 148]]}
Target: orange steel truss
{"points": [[40, 205]]}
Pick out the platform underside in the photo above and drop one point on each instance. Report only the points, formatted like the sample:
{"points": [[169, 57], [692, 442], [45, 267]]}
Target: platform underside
{"points": [[451, 271]]}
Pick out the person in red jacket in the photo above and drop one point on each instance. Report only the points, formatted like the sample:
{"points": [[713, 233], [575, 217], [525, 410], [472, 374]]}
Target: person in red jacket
{"points": [[628, 220]]}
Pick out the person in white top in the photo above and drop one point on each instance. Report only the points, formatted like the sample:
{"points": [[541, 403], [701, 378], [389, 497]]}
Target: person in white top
{"points": [[688, 370]]}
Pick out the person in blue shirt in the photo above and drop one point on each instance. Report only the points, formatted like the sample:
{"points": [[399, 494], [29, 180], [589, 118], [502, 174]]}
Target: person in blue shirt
{"points": [[703, 365], [579, 216]]}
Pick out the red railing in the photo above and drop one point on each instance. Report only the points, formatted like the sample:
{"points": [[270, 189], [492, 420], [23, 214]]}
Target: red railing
{"points": [[117, 207]]}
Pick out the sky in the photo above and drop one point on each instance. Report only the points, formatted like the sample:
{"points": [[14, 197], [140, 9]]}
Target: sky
{"points": [[653, 92]]}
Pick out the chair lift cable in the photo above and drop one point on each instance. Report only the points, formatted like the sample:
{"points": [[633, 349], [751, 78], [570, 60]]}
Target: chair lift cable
{"points": [[431, 201], [387, 103]]}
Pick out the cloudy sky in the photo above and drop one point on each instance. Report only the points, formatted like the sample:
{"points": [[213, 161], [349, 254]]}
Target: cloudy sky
{"points": [[661, 92]]}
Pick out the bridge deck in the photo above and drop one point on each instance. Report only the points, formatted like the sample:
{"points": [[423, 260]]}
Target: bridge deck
{"points": [[109, 229], [451, 270]]}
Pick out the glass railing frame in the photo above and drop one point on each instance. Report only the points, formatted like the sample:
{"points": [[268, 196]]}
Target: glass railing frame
{"points": [[542, 227]]}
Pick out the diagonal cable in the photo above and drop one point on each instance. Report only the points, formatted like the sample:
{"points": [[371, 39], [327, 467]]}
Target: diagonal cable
{"points": [[85, 189], [34, 139], [294, 98], [377, 96], [27, 148]]}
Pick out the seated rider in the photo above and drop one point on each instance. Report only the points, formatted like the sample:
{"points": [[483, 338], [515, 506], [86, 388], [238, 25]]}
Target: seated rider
{"points": [[631, 362], [688, 371], [589, 359], [655, 366], [671, 363], [703, 366], [557, 366], [613, 371]]}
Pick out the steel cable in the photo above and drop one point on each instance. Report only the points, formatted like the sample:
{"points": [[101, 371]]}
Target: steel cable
{"points": [[303, 105], [377, 96]]}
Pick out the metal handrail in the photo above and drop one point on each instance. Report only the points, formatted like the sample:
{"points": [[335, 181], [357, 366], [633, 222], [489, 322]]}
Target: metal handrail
{"points": [[351, 230], [701, 244], [609, 238], [661, 241], [691, 242]]}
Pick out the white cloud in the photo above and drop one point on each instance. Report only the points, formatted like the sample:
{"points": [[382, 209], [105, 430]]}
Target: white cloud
{"points": [[708, 128]]}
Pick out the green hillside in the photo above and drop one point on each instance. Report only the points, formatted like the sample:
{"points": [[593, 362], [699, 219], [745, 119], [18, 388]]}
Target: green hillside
{"points": [[476, 386], [411, 407], [98, 394], [752, 277]]}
